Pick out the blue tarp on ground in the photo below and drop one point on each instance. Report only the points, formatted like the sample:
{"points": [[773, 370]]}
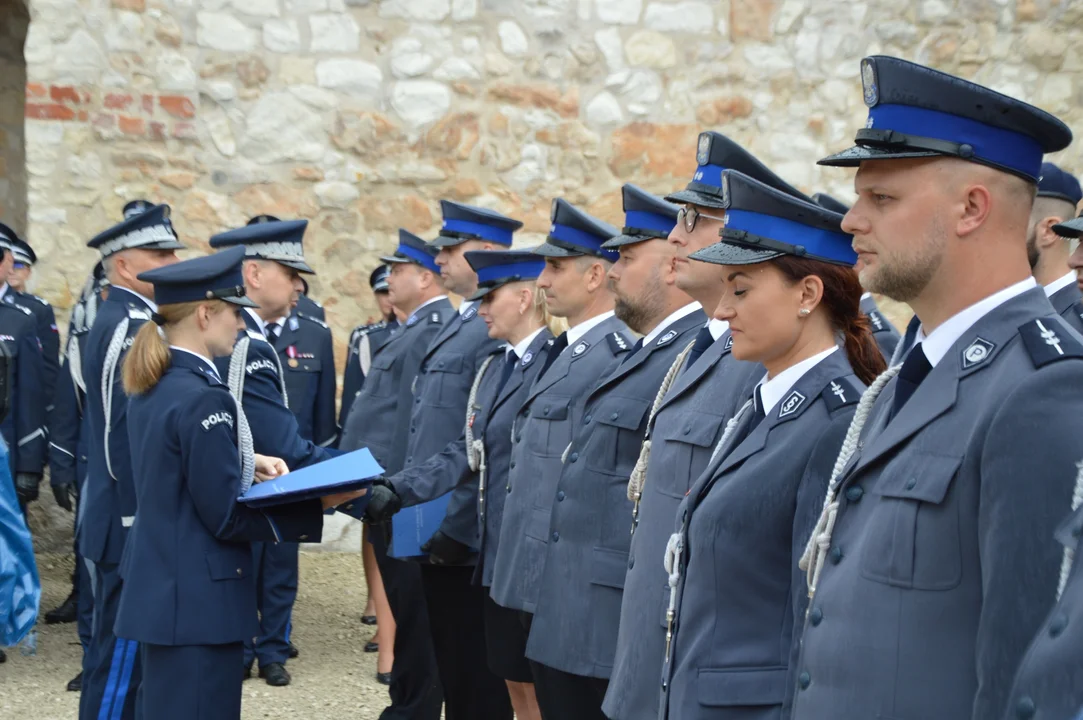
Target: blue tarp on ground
{"points": [[20, 588]]}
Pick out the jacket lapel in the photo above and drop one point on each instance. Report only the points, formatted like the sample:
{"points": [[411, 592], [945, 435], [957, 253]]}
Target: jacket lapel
{"points": [[534, 350], [690, 376]]}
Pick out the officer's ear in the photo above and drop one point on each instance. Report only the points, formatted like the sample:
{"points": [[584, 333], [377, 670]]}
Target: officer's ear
{"points": [[252, 277], [811, 288], [1044, 236]]}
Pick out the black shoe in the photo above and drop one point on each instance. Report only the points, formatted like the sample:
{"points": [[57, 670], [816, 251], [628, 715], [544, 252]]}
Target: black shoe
{"points": [[66, 612], [248, 671], [372, 646], [76, 683], [368, 619], [383, 678], [3, 657], [294, 652], [275, 674]]}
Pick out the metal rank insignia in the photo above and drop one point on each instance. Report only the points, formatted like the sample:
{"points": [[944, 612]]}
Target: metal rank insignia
{"points": [[791, 404], [703, 150], [977, 352], [868, 83]]}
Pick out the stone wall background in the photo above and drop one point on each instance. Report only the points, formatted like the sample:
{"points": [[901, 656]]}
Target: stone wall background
{"points": [[14, 19]]}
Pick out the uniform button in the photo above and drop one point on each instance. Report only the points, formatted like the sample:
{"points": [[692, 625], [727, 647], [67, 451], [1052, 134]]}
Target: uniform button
{"points": [[240, 572], [836, 554], [1025, 709], [350, 506], [560, 496], [518, 438], [509, 488], [631, 563], [804, 680], [440, 364], [1057, 626], [614, 416], [587, 419], [556, 536], [815, 617], [573, 457], [413, 430], [545, 410], [1077, 531], [304, 537], [357, 394], [911, 483], [854, 493], [687, 430], [512, 464], [417, 401]]}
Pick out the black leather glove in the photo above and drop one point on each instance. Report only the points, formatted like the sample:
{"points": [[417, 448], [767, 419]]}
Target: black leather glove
{"points": [[26, 487], [446, 550], [383, 503], [64, 494]]}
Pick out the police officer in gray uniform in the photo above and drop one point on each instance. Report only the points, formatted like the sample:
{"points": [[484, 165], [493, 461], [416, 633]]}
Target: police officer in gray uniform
{"points": [[380, 421], [441, 394], [706, 383], [1058, 194], [574, 281], [931, 566], [574, 631]]}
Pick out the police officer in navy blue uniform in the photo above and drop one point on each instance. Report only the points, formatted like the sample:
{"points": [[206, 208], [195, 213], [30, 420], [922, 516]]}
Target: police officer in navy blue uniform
{"points": [[305, 304], [574, 629], [687, 419], [365, 340], [931, 566], [887, 337], [189, 593], [510, 307], [387, 397], [737, 602], [21, 259], [142, 242], [1058, 195], [274, 260]]}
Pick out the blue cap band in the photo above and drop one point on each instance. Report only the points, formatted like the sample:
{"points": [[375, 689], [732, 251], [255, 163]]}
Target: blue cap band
{"points": [[709, 175], [488, 232], [1005, 148], [419, 256], [580, 238], [820, 243], [528, 270], [649, 221]]}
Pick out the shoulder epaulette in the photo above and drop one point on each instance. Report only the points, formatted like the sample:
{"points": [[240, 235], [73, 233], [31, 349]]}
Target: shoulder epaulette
{"points": [[619, 342], [840, 392], [311, 319], [16, 306], [1049, 339], [28, 296], [256, 335], [135, 313], [435, 318], [878, 322]]}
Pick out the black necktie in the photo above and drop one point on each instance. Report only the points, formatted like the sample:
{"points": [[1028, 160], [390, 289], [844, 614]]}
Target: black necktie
{"points": [[758, 413], [703, 341], [635, 348], [272, 331], [554, 351], [913, 371], [509, 365]]}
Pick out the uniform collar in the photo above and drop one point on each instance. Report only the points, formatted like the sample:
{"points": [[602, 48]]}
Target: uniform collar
{"points": [[576, 333], [774, 389], [258, 320], [937, 344], [149, 303], [1050, 290], [4, 290], [717, 328], [466, 306], [418, 309], [523, 345], [673, 317], [202, 358]]}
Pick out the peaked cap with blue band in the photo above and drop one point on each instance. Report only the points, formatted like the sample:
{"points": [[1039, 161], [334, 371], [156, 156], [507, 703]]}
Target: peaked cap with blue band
{"points": [[378, 278], [280, 241], [763, 223], [574, 233], [1059, 184], [211, 277], [714, 153], [413, 249], [496, 268], [467, 222], [917, 112], [831, 203], [148, 230], [135, 207], [646, 217]]}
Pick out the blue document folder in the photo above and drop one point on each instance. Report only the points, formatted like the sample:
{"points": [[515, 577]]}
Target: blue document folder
{"points": [[413, 526], [347, 472]]}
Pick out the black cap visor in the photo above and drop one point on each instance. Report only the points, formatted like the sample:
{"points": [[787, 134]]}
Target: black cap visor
{"points": [[699, 194], [1070, 228], [728, 253], [557, 249]]}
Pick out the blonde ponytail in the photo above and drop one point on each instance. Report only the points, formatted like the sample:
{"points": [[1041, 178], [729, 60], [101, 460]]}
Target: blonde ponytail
{"points": [[149, 357]]}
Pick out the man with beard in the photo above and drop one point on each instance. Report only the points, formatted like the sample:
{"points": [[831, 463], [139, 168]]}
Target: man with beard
{"points": [[573, 635], [1058, 194]]}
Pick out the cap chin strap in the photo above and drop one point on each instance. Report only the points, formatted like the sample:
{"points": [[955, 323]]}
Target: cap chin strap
{"points": [[895, 140]]}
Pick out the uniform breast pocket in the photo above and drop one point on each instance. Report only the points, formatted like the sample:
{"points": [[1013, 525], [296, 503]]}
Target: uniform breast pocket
{"points": [[445, 384], [615, 443], [301, 381], [380, 382], [547, 430], [681, 451], [913, 539], [227, 565]]}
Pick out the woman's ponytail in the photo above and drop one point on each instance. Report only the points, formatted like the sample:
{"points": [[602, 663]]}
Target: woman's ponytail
{"points": [[861, 348], [146, 361]]}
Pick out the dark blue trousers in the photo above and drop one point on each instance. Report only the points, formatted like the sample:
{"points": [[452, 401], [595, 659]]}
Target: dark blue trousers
{"points": [[111, 667], [192, 682], [84, 621], [276, 590]]}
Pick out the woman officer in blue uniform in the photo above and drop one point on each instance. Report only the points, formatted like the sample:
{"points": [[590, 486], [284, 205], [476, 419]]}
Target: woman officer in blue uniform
{"points": [[737, 598], [188, 596]]}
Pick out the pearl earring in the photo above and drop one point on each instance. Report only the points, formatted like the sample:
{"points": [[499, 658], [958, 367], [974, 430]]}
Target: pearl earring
{"points": [[803, 312]]}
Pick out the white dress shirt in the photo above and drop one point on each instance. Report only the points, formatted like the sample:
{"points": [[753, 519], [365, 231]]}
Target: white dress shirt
{"points": [[772, 390], [717, 327], [522, 346], [673, 317], [1050, 290], [576, 333]]}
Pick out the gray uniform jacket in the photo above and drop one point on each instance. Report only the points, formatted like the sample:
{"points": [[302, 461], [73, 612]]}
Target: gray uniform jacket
{"points": [[741, 600], [885, 334], [491, 422], [1067, 303], [586, 558], [441, 392], [1049, 685], [683, 434], [540, 434], [940, 563], [380, 419]]}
